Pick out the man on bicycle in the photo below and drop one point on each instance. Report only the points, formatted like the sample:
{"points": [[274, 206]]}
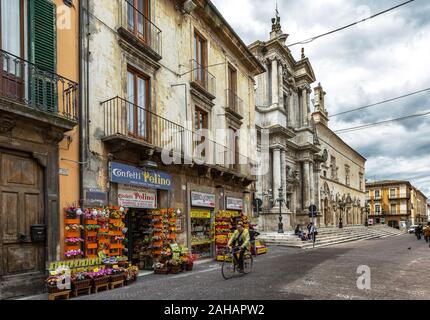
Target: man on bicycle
{"points": [[239, 239]]}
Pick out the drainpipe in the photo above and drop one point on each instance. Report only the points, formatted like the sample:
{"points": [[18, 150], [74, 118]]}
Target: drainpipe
{"points": [[81, 114]]}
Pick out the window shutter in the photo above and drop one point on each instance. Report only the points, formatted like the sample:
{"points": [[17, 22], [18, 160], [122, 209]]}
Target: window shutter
{"points": [[42, 33], [42, 47]]}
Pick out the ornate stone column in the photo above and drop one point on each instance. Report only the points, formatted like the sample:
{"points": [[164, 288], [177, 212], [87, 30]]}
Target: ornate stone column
{"points": [[276, 152], [275, 82], [306, 185], [284, 173], [280, 86], [304, 107], [312, 183]]}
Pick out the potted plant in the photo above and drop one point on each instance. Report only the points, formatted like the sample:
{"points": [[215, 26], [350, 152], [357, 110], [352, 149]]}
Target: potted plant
{"points": [[53, 284], [99, 276], [117, 274], [131, 274], [161, 268], [190, 262], [80, 280], [175, 266]]}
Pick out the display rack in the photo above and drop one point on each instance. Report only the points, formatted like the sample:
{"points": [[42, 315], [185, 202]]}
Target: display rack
{"points": [[201, 233], [73, 233]]}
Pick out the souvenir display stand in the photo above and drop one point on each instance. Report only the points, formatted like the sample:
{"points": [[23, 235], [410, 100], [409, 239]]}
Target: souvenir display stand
{"points": [[201, 233]]}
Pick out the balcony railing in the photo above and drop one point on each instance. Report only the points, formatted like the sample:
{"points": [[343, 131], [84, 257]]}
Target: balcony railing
{"points": [[392, 212], [26, 83], [203, 77], [137, 22], [123, 118], [234, 103], [400, 196]]}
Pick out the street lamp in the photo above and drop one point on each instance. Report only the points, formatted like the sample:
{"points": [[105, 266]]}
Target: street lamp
{"points": [[280, 200]]}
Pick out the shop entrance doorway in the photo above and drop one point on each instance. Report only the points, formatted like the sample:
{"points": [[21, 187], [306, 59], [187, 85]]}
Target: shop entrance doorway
{"points": [[140, 238]]}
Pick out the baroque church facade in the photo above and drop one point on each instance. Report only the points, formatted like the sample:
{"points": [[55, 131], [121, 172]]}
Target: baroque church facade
{"points": [[308, 164]]}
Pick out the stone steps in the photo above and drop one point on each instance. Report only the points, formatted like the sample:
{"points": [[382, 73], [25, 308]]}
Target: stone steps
{"points": [[330, 236]]}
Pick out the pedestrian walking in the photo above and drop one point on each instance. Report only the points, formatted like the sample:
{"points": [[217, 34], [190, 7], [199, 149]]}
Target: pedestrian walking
{"points": [[426, 232], [313, 233], [309, 226], [418, 232]]}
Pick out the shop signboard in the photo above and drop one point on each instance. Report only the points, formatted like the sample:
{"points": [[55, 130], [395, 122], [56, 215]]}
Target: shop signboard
{"points": [[136, 197], [234, 204], [200, 214], [153, 179], [200, 199]]}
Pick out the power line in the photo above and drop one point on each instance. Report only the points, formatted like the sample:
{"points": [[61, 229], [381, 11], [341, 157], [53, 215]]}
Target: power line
{"points": [[371, 125], [379, 103], [349, 25]]}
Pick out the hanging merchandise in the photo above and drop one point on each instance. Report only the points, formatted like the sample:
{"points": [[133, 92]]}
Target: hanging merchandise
{"points": [[201, 232], [223, 231]]}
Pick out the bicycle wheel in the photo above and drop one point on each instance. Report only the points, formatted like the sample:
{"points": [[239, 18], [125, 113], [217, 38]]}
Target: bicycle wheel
{"points": [[228, 269], [248, 262]]}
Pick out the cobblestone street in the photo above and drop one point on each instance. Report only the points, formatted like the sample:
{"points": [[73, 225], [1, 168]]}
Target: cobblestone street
{"points": [[397, 272]]}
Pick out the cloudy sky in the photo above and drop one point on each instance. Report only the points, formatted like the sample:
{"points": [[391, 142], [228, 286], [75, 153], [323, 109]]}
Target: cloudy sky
{"points": [[380, 59]]}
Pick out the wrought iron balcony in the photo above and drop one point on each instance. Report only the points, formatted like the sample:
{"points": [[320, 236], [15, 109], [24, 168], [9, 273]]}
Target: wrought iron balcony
{"points": [[125, 120], [137, 27], [234, 103], [399, 196], [203, 78], [26, 83]]}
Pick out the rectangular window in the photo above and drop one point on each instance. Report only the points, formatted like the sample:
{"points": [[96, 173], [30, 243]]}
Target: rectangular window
{"points": [[232, 79], [138, 109], [200, 123], [392, 193], [234, 148], [12, 35], [377, 194], [232, 88], [200, 58], [138, 13], [377, 209], [393, 208], [12, 27]]}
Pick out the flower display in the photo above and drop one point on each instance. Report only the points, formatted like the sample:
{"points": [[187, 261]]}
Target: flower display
{"points": [[98, 273], [73, 253], [74, 240], [75, 227]]}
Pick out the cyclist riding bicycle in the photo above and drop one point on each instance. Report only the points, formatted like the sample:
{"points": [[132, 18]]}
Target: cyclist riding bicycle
{"points": [[240, 239]]}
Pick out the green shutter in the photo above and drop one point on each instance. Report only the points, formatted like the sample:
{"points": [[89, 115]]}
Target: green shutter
{"points": [[42, 53]]}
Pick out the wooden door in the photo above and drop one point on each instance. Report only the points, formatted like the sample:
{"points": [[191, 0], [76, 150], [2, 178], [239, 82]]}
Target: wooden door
{"points": [[22, 205]]}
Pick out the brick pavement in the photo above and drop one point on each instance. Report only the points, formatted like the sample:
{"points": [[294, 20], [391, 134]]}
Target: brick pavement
{"points": [[285, 273]]}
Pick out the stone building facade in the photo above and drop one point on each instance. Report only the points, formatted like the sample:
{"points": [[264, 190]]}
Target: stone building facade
{"points": [[159, 74], [342, 173], [297, 155], [396, 203]]}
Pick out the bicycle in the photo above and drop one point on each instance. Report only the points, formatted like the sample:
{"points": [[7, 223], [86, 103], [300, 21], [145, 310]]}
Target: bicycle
{"points": [[231, 264]]}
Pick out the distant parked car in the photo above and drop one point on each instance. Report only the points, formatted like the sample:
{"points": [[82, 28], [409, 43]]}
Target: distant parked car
{"points": [[412, 229]]}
